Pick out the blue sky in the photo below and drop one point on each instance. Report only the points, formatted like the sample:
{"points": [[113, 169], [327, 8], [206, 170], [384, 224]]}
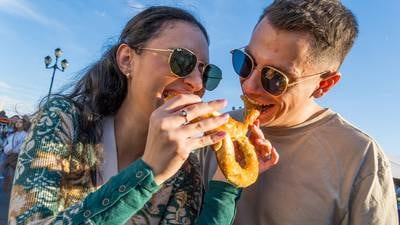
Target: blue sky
{"points": [[367, 95]]}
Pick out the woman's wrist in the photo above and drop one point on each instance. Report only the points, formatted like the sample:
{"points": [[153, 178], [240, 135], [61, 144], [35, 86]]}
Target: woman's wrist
{"points": [[158, 179]]}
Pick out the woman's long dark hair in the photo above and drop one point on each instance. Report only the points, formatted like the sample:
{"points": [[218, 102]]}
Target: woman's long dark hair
{"points": [[103, 87]]}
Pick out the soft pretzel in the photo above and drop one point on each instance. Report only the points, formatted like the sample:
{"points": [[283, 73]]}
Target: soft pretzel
{"points": [[240, 175], [236, 137]]}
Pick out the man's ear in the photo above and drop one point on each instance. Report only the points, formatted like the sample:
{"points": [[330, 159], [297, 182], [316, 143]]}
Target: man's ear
{"points": [[326, 84], [124, 59]]}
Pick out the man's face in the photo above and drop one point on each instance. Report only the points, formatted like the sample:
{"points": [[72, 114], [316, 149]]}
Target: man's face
{"points": [[289, 53]]}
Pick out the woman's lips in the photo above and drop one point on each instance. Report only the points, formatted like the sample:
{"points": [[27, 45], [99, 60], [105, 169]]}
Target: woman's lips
{"points": [[167, 94]]}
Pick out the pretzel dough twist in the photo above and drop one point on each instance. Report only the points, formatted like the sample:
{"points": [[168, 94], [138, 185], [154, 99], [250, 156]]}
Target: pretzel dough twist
{"points": [[239, 175], [236, 137]]}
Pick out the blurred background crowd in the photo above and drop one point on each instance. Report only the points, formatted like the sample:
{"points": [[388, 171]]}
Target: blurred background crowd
{"points": [[12, 134]]}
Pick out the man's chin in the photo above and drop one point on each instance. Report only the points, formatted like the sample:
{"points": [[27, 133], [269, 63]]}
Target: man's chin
{"points": [[265, 123], [266, 119]]}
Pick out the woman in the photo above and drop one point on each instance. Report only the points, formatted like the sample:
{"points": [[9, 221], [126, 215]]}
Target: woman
{"points": [[114, 151], [12, 147]]}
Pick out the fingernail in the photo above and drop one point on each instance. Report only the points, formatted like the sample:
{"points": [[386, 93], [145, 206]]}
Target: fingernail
{"points": [[225, 116], [223, 101], [221, 133]]}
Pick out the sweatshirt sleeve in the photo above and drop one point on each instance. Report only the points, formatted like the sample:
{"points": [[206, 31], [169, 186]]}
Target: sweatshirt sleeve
{"points": [[373, 199]]}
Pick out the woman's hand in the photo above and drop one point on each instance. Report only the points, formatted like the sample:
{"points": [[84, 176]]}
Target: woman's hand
{"points": [[171, 136]]}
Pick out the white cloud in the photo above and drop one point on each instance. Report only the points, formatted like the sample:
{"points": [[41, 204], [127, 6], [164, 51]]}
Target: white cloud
{"points": [[23, 9], [100, 13], [4, 85], [141, 4], [136, 4], [9, 102], [14, 106]]}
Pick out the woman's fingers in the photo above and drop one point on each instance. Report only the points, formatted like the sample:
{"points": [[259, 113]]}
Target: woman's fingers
{"points": [[204, 125], [203, 108], [193, 104], [175, 119], [203, 141], [180, 101], [184, 113]]}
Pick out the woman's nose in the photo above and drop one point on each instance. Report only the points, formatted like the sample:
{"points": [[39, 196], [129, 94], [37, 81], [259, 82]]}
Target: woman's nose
{"points": [[194, 80]]}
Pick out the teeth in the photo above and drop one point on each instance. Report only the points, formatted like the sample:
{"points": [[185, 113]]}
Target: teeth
{"points": [[169, 94], [258, 104]]}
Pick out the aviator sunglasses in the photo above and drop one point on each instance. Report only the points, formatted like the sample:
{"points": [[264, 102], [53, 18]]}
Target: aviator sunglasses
{"points": [[273, 80], [182, 62]]}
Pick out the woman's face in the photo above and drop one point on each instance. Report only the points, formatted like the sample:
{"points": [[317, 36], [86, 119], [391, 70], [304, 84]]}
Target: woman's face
{"points": [[19, 124], [152, 79]]}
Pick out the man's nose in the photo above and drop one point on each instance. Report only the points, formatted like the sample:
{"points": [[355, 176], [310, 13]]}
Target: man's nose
{"points": [[253, 82]]}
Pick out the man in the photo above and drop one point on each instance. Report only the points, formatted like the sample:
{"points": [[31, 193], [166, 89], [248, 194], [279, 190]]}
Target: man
{"points": [[329, 171]]}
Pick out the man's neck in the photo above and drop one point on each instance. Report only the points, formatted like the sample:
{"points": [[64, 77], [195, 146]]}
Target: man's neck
{"points": [[298, 117]]}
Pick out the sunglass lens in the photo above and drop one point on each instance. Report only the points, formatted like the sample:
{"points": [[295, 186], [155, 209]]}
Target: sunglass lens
{"points": [[273, 81], [212, 75], [182, 62], [242, 63]]}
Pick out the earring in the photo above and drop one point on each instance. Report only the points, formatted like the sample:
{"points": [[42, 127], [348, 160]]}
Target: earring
{"points": [[128, 75]]}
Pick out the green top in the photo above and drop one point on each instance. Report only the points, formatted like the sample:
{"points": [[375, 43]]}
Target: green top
{"points": [[53, 183]]}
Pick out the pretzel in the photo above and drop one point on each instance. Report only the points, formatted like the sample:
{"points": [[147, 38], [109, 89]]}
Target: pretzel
{"points": [[239, 174]]}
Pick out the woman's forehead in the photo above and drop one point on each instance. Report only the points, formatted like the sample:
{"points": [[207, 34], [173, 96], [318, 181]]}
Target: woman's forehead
{"points": [[181, 34]]}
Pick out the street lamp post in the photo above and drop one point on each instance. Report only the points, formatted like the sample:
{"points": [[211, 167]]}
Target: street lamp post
{"points": [[47, 61]]}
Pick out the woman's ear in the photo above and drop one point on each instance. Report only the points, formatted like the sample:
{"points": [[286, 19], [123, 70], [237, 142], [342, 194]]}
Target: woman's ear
{"points": [[326, 84], [124, 59]]}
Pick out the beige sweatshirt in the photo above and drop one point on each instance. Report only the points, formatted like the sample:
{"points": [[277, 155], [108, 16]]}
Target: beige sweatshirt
{"points": [[329, 173]]}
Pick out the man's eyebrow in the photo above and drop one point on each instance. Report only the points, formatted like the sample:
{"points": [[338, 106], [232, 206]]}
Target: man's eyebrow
{"points": [[280, 67]]}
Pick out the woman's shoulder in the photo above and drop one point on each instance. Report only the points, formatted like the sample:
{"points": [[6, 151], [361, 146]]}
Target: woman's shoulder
{"points": [[60, 103], [59, 113]]}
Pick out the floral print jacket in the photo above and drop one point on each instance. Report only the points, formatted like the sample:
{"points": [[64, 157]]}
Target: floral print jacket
{"points": [[53, 183]]}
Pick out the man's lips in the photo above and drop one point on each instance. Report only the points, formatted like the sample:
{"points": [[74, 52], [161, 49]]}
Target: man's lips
{"points": [[254, 104]]}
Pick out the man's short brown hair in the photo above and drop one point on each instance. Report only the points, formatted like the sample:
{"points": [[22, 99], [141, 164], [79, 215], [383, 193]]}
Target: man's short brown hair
{"points": [[332, 27]]}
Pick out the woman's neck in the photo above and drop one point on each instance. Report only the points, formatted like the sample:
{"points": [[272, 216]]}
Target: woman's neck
{"points": [[130, 127]]}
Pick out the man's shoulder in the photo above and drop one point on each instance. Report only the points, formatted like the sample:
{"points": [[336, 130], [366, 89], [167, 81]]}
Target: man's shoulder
{"points": [[345, 138], [343, 128]]}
